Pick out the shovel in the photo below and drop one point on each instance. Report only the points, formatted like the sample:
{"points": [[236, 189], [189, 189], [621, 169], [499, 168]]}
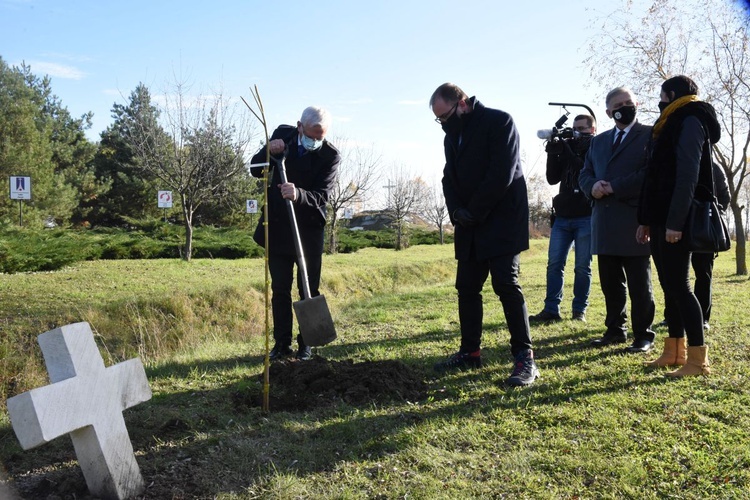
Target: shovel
{"points": [[313, 317]]}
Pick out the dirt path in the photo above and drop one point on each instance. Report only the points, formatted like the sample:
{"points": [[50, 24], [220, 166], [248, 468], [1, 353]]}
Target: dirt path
{"points": [[6, 492]]}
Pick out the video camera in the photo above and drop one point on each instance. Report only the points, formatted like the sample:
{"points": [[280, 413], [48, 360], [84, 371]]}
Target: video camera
{"points": [[558, 133]]}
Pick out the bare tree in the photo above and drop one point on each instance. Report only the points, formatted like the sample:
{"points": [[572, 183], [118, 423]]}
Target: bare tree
{"points": [[406, 195], [540, 205], [434, 210], [198, 152], [708, 41], [357, 174]]}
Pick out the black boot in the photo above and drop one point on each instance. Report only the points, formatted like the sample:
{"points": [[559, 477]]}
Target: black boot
{"points": [[304, 353], [280, 351]]}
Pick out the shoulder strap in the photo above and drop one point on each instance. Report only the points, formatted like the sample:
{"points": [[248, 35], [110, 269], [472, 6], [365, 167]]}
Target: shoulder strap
{"points": [[706, 173]]}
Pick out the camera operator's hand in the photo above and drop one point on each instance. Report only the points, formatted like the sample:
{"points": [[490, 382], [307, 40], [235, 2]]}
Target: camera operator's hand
{"points": [[464, 217], [554, 147]]}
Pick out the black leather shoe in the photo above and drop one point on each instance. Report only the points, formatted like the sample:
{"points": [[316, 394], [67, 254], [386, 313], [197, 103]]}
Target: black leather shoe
{"points": [[609, 339], [304, 353], [642, 345], [280, 351]]}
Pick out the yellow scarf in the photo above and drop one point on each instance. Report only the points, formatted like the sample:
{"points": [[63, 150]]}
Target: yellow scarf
{"points": [[673, 106]]}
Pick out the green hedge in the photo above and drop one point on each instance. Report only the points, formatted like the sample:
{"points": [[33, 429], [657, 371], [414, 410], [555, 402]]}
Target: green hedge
{"points": [[26, 250]]}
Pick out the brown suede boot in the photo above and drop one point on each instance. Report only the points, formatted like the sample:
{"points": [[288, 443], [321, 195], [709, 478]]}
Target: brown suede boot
{"points": [[674, 353], [697, 363]]}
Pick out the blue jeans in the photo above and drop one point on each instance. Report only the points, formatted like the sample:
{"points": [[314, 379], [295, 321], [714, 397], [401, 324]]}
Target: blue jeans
{"points": [[565, 231]]}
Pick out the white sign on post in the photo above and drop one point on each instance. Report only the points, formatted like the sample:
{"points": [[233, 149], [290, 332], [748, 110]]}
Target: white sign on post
{"points": [[20, 188], [165, 199], [252, 206]]}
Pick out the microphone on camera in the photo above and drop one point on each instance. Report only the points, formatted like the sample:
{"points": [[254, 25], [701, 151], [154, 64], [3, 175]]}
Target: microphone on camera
{"points": [[545, 133]]}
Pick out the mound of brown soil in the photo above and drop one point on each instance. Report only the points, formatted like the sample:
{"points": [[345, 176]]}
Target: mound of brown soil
{"points": [[300, 385]]}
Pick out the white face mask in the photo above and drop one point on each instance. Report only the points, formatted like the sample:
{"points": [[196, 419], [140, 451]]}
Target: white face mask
{"points": [[310, 144]]}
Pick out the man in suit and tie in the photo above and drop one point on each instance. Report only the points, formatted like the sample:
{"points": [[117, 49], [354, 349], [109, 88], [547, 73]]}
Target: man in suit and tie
{"points": [[612, 177], [311, 165]]}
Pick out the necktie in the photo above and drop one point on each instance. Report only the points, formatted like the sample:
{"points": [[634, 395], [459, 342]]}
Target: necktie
{"points": [[300, 150], [618, 140]]}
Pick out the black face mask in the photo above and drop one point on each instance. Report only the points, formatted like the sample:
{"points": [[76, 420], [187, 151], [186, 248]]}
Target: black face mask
{"points": [[453, 125], [581, 145], [624, 115], [663, 105]]}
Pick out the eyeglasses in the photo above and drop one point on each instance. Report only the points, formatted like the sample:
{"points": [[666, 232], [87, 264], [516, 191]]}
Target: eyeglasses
{"points": [[442, 118]]}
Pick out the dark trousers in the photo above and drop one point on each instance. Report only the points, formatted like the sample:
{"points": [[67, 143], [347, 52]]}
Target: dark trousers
{"points": [[622, 276], [682, 310], [281, 268], [703, 267], [470, 278]]}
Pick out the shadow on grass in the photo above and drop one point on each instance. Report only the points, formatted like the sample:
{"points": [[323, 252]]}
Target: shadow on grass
{"points": [[203, 442], [210, 436]]}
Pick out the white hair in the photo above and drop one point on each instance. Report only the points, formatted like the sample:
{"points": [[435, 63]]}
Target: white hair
{"points": [[617, 91], [314, 115]]}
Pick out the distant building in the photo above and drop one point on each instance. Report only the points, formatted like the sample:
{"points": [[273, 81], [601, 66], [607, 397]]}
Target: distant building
{"points": [[375, 220]]}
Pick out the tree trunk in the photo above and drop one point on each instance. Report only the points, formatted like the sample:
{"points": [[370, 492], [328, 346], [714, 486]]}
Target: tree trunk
{"points": [[740, 241], [333, 244], [187, 214]]}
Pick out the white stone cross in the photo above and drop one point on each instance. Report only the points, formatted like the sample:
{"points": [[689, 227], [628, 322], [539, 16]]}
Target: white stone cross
{"points": [[85, 400]]}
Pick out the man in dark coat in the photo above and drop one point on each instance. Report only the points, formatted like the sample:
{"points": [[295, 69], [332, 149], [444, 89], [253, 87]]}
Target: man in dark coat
{"points": [[311, 165], [612, 177], [485, 193]]}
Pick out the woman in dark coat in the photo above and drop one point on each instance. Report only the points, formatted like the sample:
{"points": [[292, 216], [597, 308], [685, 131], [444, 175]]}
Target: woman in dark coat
{"points": [[680, 160]]}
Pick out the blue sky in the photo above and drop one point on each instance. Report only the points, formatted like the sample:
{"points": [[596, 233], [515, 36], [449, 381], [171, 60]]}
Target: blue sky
{"points": [[372, 64]]}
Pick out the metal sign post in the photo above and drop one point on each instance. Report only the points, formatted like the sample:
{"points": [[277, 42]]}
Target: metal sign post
{"points": [[252, 208], [20, 189], [164, 200]]}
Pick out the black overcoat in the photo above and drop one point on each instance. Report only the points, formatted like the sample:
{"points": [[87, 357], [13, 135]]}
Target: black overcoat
{"points": [[483, 174], [314, 176]]}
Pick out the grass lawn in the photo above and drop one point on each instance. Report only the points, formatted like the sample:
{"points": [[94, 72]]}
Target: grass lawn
{"points": [[596, 425]]}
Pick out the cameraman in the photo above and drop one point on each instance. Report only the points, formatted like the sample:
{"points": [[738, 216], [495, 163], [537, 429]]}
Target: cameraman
{"points": [[571, 222]]}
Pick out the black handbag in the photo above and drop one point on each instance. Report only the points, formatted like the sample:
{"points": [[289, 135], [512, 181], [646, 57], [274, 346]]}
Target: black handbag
{"points": [[705, 230]]}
